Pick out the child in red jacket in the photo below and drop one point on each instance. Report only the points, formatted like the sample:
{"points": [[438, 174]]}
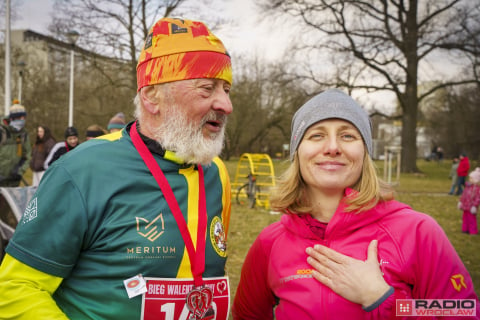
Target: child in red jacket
{"points": [[469, 201]]}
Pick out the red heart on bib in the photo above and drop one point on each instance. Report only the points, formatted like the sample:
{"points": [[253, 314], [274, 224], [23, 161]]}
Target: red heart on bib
{"points": [[222, 286]]}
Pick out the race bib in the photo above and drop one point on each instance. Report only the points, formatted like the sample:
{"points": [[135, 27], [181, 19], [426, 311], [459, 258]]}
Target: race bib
{"points": [[165, 298]]}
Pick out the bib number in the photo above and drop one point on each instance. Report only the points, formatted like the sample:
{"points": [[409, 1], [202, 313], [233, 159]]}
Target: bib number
{"points": [[169, 311], [165, 298]]}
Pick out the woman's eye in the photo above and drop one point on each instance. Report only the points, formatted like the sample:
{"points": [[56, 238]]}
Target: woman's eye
{"points": [[316, 136], [348, 136]]}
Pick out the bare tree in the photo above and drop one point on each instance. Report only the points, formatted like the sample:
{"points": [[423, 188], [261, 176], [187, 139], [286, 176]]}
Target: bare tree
{"points": [[455, 121], [264, 100], [113, 28], [388, 39], [14, 11]]}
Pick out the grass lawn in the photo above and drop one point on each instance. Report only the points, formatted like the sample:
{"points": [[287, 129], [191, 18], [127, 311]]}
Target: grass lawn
{"points": [[423, 192]]}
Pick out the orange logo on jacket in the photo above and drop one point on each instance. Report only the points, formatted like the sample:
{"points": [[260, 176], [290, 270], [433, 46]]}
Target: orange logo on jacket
{"points": [[458, 281], [304, 271]]}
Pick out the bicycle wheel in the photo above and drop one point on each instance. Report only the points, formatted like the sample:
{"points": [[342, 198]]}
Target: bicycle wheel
{"points": [[242, 194], [252, 195], [247, 194]]}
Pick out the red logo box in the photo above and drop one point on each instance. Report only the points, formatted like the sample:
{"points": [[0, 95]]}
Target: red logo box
{"points": [[404, 307]]}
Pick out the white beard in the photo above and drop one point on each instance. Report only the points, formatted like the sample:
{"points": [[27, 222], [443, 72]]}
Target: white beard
{"points": [[187, 140]]}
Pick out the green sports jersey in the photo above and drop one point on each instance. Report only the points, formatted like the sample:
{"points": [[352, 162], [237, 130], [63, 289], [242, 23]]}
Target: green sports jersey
{"points": [[99, 217]]}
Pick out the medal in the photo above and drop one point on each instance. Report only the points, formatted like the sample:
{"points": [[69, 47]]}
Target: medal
{"points": [[199, 303]]}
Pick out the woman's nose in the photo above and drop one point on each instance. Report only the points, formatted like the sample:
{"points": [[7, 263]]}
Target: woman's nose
{"points": [[332, 146]]}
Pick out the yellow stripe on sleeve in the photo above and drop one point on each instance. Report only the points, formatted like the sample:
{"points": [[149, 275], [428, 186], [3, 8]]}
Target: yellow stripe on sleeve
{"points": [[26, 293]]}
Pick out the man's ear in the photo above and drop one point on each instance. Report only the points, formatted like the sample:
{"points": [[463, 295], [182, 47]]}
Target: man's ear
{"points": [[150, 101]]}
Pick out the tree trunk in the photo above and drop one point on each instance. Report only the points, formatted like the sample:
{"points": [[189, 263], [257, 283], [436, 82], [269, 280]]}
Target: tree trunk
{"points": [[409, 135], [409, 99]]}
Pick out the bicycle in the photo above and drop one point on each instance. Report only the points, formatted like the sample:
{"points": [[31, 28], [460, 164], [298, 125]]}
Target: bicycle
{"points": [[248, 192]]}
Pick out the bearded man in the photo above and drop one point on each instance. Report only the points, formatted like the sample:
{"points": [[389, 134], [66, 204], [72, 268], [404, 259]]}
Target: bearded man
{"points": [[126, 225]]}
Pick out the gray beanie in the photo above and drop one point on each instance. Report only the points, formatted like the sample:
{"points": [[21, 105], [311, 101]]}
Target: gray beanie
{"points": [[330, 104]]}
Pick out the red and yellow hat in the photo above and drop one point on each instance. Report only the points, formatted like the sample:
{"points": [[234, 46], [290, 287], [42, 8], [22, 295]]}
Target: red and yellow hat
{"points": [[177, 49]]}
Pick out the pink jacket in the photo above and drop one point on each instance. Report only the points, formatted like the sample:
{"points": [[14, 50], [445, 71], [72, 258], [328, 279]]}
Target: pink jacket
{"points": [[415, 255], [470, 196]]}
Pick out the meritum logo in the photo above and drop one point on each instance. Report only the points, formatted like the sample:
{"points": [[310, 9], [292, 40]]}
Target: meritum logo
{"points": [[436, 307], [151, 229]]}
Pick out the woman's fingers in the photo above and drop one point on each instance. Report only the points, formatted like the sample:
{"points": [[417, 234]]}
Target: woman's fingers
{"points": [[372, 255], [332, 255], [356, 280]]}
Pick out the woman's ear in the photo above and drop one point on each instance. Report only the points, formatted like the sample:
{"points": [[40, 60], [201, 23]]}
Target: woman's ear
{"points": [[149, 99]]}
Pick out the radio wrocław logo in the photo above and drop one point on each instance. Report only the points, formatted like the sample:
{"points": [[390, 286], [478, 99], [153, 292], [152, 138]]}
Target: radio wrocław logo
{"points": [[436, 307]]}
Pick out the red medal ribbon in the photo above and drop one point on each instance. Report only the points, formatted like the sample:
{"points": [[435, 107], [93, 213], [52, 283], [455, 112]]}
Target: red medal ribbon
{"points": [[197, 257]]}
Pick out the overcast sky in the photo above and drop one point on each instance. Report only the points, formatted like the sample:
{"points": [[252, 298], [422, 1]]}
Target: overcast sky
{"points": [[248, 35]]}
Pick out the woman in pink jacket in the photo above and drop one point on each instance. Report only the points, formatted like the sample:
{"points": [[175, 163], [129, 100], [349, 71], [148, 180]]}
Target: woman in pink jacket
{"points": [[344, 249]]}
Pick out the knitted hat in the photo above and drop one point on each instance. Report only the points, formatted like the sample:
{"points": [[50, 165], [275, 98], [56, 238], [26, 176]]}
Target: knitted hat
{"points": [[17, 110], [94, 131], [71, 131], [475, 176], [330, 104], [177, 49], [117, 122]]}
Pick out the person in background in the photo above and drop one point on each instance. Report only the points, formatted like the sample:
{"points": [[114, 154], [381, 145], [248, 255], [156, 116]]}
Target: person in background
{"points": [[44, 143], [439, 154], [94, 131], [433, 155], [469, 201], [453, 175], [344, 248], [462, 172], [138, 210], [117, 122], [61, 148], [15, 147]]}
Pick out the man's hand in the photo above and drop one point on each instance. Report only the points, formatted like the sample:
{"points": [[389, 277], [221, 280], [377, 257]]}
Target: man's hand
{"points": [[357, 281]]}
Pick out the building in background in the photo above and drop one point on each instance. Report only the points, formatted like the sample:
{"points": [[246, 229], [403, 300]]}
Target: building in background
{"points": [[41, 71]]}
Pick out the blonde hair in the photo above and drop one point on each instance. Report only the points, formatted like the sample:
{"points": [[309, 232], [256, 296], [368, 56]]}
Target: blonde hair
{"points": [[289, 193]]}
